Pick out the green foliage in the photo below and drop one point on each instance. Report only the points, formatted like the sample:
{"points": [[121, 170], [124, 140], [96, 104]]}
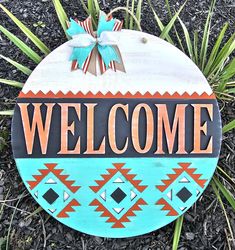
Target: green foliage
{"points": [[3, 241], [93, 10], [12, 83], [4, 134], [205, 38], [229, 126], [130, 13], [217, 193], [224, 175], [132, 9], [27, 32], [135, 10], [19, 66], [217, 66], [7, 112], [40, 24], [35, 212], [177, 232], [214, 65], [168, 27], [62, 16], [21, 45], [225, 192], [165, 30], [11, 220]]}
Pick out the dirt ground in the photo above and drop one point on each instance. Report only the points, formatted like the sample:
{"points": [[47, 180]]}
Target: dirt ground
{"points": [[204, 226]]}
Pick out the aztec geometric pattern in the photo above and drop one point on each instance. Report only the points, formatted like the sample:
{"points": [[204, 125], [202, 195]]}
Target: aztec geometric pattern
{"points": [[115, 195], [49, 178], [121, 180], [179, 188]]}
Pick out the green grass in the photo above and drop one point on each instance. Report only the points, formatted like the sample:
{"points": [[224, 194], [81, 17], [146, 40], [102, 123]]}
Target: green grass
{"points": [[229, 126], [27, 32], [217, 187], [217, 65], [62, 16], [21, 45], [177, 232], [19, 66], [12, 83]]}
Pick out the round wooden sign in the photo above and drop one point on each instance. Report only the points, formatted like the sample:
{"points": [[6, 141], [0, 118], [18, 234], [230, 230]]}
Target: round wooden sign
{"points": [[116, 148]]}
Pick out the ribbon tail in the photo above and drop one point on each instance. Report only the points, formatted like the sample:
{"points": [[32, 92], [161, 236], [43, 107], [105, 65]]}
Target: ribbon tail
{"points": [[81, 56], [108, 55], [101, 64], [119, 65], [114, 65], [74, 65], [92, 63]]}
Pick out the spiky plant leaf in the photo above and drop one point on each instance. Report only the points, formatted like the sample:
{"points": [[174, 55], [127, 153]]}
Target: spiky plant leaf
{"points": [[84, 7], [195, 47], [27, 32], [97, 6], [19, 66], [206, 35], [225, 192], [168, 27], [174, 27], [36, 211], [223, 56], [139, 10], [11, 220], [159, 23], [229, 126], [215, 50], [7, 112], [177, 232], [130, 13], [21, 45], [127, 14], [216, 191], [12, 83], [91, 9], [231, 91], [133, 14], [62, 16], [3, 243], [226, 176], [187, 39], [228, 72]]}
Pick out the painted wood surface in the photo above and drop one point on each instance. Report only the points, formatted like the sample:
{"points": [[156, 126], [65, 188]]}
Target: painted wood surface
{"points": [[126, 152], [152, 66]]}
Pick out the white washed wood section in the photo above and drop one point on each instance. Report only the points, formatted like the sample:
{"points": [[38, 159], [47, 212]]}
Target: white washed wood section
{"points": [[152, 66]]}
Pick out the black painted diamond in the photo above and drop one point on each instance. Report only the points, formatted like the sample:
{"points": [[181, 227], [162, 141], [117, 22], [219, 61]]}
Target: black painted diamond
{"points": [[184, 194], [50, 196], [118, 195]]}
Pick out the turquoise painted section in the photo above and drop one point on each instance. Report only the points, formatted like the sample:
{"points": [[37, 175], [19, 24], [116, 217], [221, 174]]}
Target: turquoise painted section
{"points": [[151, 171]]}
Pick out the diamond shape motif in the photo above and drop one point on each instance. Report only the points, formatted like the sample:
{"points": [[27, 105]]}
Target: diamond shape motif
{"points": [[50, 196], [184, 194], [107, 206], [118, 195]]}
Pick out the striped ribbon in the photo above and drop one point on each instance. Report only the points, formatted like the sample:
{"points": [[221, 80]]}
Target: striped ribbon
{"points": [[90, 63]]}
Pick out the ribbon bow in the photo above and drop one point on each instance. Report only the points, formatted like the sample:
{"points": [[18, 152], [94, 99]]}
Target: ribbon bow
{"points": [[89, 45]]}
